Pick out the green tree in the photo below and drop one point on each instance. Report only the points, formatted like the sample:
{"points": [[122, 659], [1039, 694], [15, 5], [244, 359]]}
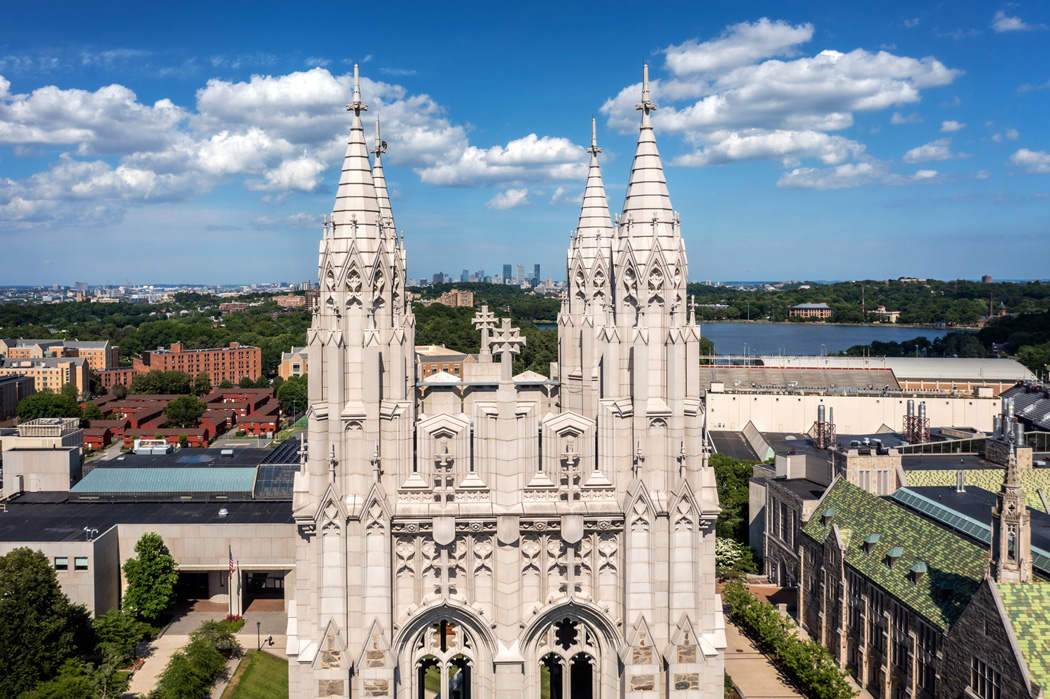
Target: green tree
{"points": [[93, 412], [1035, 357], [95, 382], [151, 577], [120, 391], [292, 394], [218, 633], [184, 441], [202, 383], [225, 384], [120, 631], [39, 627], [731, 478], [41, 405], [246, 382], [184, 411], [69, 390]]}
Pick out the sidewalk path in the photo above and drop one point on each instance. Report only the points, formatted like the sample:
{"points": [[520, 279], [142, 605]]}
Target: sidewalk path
{"points": [[753, 673]]}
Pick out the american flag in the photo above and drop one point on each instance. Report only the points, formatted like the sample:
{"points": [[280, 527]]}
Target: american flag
{"points": [[231, 561]]}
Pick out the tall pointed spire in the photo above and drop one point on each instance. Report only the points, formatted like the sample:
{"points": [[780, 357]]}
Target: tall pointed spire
{"points": [[355, 202], [1010, 557], [647, 198], [380, 182], [595, 222]]}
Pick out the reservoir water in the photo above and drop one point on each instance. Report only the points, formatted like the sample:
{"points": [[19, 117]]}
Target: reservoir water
{"points": [[794, 339], [809, 339]]}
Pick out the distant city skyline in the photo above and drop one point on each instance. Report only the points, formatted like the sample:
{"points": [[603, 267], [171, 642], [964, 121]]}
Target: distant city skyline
{"points": [[202, 142]]}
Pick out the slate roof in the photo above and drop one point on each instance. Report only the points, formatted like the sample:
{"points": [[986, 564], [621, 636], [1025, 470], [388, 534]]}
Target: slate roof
{"points": [[1026, 605], [990, 479], [952, 561]]}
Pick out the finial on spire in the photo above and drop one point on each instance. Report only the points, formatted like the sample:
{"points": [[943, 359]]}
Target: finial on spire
{"points": [[380, 146], [356, 106], [646, 105], [692, 309], [594, 149]]}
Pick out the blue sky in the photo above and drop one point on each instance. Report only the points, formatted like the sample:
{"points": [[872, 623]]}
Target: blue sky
{"points": [[201, 142]]}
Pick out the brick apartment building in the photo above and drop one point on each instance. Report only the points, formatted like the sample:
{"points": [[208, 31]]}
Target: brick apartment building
{"points": [[457, 298], [50, 372], [100, 355], [233, 307], [221, 363], [290, 301]]}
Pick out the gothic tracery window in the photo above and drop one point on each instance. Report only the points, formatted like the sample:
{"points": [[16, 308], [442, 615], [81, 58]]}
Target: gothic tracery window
{"points": [[568, 661]]}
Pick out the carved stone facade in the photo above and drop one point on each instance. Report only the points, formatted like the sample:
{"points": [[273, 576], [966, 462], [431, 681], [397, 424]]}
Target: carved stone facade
{"points": [[508, 541]]}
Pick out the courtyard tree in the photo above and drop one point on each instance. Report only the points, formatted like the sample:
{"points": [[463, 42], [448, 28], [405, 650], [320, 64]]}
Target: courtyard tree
{"points": [[184, 411], [39, 627], [202, 383], [151, 577]]}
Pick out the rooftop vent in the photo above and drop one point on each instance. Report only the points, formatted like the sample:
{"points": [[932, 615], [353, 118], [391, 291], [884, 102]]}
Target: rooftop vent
{"points": [[223, 512], [917, 571], [893, 555], [869, 542], [226, 452], [828, 514]]}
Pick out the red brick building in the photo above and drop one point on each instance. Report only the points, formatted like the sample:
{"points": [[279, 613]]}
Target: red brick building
{"points": [[221, 363], [111, 377]]}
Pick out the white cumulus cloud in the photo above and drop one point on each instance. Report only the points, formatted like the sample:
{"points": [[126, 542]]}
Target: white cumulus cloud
{"points": [[1033, 162], [933, 151], [897, 119], [1003, 22], [508, 200], [738, 45], [949, 126]]}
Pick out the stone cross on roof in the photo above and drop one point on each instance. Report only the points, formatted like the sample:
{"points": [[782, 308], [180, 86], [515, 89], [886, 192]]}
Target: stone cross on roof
{"points": [[485, 320], [508, 342]]}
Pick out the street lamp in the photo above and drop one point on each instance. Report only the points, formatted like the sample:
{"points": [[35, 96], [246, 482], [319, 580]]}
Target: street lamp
{"points": [[258, 635]]}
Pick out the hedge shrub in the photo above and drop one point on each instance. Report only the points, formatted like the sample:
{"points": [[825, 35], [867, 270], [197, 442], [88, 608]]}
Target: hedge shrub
{"points": [[808, 664]]}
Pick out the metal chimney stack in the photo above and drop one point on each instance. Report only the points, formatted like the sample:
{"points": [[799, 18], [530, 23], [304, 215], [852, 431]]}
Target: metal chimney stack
{"points": [[997, 426], [820, 413]]}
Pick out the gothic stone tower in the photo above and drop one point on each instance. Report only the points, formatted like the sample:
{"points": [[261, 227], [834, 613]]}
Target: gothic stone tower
{"points": [[470, 535]]}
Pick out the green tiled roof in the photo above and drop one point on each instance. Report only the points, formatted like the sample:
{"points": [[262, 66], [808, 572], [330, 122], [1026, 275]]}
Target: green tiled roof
{"points": [[953, 562], [212, 479], [1026, 605], [990, 479]]}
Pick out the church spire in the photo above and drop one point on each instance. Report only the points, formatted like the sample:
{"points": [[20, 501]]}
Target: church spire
{"points": [[595, 223], [647, 199], [380, 182], [356, 204]]}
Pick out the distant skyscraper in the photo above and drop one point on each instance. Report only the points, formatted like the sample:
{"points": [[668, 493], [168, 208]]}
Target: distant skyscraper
{"points": [[507, 274], [439, 277], [464, 276], [521, 274], [536, 273]]}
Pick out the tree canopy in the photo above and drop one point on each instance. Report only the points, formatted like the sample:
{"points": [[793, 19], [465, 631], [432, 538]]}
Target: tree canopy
{"points": [[151, 577], [39, 627], [40, 405], [184, 411]]}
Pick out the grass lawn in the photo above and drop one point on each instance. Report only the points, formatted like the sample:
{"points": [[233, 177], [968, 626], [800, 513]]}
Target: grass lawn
{"points": [[259, 675]]}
